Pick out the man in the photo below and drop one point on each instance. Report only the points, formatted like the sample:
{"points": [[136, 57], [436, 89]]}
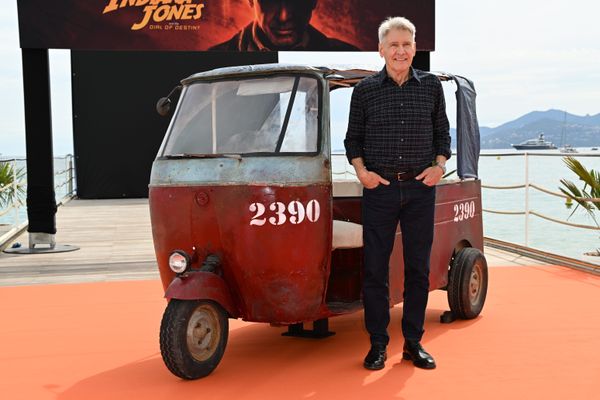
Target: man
{"points": [[398, 142], [282, 25]]}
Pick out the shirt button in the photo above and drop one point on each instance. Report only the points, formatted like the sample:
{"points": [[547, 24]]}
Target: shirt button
{"points": [[400, 157], [402, 122], [402, 140], [401, 104]]}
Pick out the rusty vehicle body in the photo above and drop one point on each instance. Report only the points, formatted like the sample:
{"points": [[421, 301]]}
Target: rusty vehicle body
{"points": [[246, 217]]}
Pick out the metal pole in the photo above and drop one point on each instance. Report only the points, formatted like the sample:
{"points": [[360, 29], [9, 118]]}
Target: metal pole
{"points": [[526, 200], [15, 200], [70, 175], [214, 117], [41, 199]]}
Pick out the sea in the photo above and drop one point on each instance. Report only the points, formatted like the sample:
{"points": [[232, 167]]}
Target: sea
{"points": [[545, 168]]}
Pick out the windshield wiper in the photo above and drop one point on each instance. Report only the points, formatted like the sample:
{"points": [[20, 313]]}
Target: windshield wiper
{"points": [[191, 155]]}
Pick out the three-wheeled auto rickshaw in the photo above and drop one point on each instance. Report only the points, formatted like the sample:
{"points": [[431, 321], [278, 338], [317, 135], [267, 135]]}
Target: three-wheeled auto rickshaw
{"points": [[248, 222]]}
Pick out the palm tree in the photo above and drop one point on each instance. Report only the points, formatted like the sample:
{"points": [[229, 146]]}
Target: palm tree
{"points": [[7, 177], [588, 196]]}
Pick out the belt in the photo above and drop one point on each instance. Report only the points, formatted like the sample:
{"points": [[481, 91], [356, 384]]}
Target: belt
{"points": [[402, 176]]}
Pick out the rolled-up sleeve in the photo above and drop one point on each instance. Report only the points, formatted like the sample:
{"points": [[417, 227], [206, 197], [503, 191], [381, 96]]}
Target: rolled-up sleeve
{"points": [[441, 126], [355, 135]]}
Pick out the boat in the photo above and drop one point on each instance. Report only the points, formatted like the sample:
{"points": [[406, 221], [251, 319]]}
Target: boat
{"points": [[564, 147], [535, 144], [567, 148]]}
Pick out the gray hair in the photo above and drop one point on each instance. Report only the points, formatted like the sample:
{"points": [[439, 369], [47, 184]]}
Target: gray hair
{"points": [[395, 23]]}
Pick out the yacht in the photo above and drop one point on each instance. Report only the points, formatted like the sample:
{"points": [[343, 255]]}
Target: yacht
{"points": [[535, 144], [567, 148]]}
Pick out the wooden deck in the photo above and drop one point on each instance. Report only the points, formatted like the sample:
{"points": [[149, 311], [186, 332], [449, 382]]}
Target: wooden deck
{"points": [[84, 325], [115, 243]]}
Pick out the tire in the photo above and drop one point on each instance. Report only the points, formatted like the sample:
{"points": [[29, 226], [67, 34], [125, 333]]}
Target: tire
{"points": [[467, 283], [193, 336]]}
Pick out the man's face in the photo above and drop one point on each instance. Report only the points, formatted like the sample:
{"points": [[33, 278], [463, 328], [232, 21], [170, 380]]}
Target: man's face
{"points": [[283, 21], [398, 49]]}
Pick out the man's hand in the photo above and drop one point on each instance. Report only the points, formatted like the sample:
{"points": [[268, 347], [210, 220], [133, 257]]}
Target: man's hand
{"points": [[431, 175], [370, 179]]}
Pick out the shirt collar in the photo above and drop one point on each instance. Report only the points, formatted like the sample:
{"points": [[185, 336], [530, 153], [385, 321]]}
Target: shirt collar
{"points": [[413, 74]]}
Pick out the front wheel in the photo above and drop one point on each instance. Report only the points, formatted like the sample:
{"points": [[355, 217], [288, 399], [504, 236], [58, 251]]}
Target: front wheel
{"points": [[193, 336], [467, 283]]}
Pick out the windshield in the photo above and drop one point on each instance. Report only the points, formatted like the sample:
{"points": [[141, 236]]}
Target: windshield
{"points": [[276, 114]]}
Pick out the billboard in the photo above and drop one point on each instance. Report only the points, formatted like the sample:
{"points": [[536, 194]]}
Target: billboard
{"points": [[217, 25]]}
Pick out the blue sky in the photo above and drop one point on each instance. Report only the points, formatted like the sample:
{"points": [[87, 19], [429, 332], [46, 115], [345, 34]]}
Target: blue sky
{"points": [[522, 56]]}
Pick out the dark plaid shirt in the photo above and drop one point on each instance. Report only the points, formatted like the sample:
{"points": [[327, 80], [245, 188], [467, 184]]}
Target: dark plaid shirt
{"points": [[397, 128]]}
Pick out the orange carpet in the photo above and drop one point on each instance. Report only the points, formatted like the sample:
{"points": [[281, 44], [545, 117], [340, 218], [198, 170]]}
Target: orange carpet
{"points": [[537, 338]]}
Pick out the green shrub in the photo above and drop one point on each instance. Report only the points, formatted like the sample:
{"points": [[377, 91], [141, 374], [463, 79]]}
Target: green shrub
{"points": [[7, 177]]}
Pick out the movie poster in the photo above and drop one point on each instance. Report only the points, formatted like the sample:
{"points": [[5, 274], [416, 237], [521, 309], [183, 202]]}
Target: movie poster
{"points": [[217, 25]]}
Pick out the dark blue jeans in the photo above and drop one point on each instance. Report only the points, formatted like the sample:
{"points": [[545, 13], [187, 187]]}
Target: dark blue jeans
{"points": [[412, 203]]}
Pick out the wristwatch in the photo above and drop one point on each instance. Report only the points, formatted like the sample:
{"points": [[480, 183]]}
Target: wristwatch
{"points": [[443, 167]]}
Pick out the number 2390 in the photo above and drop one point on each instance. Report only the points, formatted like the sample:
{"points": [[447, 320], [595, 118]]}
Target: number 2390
{"points": [[464, 211], [294, 212]]}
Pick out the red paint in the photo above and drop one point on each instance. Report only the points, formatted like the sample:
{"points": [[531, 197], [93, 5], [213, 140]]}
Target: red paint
{"points": [[199, 285], [276, 273]]}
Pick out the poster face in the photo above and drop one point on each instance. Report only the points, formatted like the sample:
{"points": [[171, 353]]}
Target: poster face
{"points": [[217, 25]]}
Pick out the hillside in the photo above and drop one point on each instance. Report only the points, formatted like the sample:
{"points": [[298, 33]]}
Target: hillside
{"points": [[580, 131]]}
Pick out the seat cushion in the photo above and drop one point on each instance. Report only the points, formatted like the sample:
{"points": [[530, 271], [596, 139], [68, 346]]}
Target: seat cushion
{"points": [[346, 235]]}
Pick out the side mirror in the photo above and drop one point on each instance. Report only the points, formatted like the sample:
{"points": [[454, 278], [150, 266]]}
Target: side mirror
{"points": [[163, 106]]}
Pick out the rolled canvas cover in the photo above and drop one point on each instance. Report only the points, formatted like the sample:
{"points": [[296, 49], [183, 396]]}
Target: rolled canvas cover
{"points": [[467, 129]]}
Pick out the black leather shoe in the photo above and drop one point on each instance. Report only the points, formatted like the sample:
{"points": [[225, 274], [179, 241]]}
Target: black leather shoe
{"points": [[416, 353], [376, 357]]}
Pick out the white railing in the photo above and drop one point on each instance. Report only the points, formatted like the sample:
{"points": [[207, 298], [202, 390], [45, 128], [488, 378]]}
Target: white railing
{"points": [[527, 211], [68, 178], [13, 217]]}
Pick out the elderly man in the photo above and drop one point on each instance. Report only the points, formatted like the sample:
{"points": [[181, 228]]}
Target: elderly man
{"points": [[282, 25], [398, 142]]}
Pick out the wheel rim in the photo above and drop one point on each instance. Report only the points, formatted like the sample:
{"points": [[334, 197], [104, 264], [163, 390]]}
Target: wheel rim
{"points": [[475, 283], [203, 332]]}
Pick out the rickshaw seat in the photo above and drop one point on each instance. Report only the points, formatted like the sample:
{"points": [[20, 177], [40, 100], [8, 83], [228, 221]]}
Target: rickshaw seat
{"points": [[347, 188], [346, 235]]}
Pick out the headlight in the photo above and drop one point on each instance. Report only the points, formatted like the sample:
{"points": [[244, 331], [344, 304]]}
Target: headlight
{"points": [[179, 261]]}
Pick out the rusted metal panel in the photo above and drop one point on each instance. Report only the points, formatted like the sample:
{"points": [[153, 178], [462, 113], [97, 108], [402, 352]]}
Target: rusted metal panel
{"points": [[200, 285], [248, 170], [274, 242], [249, 71]]}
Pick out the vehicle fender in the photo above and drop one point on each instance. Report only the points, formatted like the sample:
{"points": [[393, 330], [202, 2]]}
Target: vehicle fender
{"points": [[200, 285]]}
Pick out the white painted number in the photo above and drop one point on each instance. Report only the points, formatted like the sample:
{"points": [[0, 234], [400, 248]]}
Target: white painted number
{"points": [[279, 209], [464, 211], [296, 210], [313, 211], [259, 209]]}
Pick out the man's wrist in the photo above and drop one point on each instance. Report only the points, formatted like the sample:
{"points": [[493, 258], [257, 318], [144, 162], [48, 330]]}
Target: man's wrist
{"points": [[442, 166]]}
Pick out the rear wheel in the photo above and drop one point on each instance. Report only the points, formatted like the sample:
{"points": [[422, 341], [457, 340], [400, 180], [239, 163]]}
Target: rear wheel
{"points": [[467, 283], [193, 336]]}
